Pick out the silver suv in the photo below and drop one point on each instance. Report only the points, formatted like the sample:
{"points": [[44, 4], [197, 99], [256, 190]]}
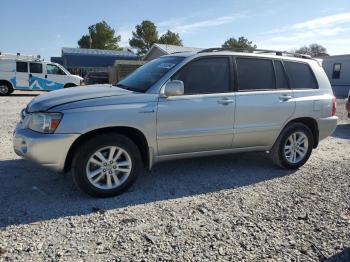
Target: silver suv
{"points": [[181, 105]]}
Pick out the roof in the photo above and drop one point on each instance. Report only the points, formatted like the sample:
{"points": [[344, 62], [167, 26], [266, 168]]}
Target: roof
{"points": [[171, 49], [83, 57], [265, 55], [95, 52], [337, 57]]}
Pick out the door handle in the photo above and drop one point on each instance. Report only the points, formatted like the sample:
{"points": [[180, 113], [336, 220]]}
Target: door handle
{"points": [[225, 101], [30, 75], [285, 97], [45, 76]]}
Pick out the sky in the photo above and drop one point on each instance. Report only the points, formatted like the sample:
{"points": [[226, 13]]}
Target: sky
{"points": [[44, 27]]}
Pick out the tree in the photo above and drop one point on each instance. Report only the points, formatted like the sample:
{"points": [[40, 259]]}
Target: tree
{"points": [[170, 38], [101, 36], [241, 43], [144, 37], [314, 50]]}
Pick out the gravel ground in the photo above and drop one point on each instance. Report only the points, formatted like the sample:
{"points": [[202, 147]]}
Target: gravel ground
{"points": [[221, 208]]}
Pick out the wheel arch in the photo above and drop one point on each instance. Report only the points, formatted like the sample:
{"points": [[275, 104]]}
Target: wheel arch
{"points": [[310, 123], [69, 85], [7, 82], [133, 133]]}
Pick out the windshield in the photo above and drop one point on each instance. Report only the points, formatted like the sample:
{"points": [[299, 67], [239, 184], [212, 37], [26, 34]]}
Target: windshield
{"points": [[148, 74], [64, 70]]}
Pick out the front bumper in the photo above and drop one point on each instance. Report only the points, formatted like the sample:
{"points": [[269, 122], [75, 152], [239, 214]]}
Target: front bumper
{"points": [[326, 126], [49, 150]]}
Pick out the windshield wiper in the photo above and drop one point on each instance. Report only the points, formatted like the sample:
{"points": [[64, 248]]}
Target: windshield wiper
{"points": [[130, 88], [123, 86]]}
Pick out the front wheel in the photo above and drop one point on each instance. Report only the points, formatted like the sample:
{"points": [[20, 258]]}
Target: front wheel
{"points": [[106, 165], [293, 147]]}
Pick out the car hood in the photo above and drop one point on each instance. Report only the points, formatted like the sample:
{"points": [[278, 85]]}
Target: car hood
{"points": [[74, 94]]}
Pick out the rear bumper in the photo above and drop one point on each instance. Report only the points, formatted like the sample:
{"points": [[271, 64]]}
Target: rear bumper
{"points": [[326, 126], [49, 150]]}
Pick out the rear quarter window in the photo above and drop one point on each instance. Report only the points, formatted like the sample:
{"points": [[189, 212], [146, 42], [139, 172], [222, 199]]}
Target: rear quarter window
{"points": [[300, 75]]}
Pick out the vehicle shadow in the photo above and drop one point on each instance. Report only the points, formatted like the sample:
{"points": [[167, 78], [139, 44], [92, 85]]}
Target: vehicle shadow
{"points": [[23, 95], [342, 131], [30, 193], [343, 256]]}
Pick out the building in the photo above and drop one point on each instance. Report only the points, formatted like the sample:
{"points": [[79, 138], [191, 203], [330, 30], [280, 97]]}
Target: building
{"points": [[122, 68], [158, 50], [82, 60], [337, 69]]}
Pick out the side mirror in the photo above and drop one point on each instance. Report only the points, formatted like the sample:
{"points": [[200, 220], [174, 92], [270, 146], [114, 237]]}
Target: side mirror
{"points": [[174, 88]]}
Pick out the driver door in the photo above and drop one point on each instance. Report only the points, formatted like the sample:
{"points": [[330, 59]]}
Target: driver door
{"points": [[201, 119], [56, 77]]}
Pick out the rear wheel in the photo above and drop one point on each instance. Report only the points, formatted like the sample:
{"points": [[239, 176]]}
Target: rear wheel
{"points": [[106, 165], [293, 147], [5, 89]]}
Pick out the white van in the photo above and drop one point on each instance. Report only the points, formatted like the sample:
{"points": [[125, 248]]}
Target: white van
{"points": [[21, 72]]}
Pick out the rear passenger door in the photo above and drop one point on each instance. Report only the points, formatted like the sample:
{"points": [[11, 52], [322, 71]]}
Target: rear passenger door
{"points": [[264, 101]]}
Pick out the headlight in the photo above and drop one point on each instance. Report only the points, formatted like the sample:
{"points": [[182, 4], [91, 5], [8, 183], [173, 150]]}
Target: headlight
{"points": [[44, 122]]}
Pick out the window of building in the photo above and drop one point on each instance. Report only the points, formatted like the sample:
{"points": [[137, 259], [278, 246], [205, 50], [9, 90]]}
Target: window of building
{"points": [[255, 74], [336, 71]]}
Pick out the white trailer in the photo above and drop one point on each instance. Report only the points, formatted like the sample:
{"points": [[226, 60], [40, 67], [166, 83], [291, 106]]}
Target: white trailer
{"points": [[337, 69]]}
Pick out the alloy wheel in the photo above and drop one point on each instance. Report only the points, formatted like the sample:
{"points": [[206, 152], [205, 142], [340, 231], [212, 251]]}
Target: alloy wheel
{"points": [[296, 147], [108, 167], [4, 89]]}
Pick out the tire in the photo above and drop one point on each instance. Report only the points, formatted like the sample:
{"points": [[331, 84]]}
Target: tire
{"points": [[282, 152], [5, 89], [87, 159]]}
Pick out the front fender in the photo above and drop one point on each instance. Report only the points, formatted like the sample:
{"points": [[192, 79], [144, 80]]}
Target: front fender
{"points": [[141, 116]]}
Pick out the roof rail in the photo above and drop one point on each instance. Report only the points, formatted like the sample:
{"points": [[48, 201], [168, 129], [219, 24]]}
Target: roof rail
{"points": [[256, 51], [19, 56]]}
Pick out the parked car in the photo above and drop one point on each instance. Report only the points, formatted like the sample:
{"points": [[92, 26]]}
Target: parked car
{"points": [[178, 106], [347, 105], [92, 78], [19, 72]]}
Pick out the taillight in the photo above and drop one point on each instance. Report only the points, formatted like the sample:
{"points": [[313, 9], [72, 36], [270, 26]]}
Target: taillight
{"points": [[334, 106]]}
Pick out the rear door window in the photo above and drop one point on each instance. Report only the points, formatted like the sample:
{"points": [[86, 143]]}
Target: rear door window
{"points": [[206, 76], [36, 68], [255, 74], [22, 67], [300, 75], [281, 78]]}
